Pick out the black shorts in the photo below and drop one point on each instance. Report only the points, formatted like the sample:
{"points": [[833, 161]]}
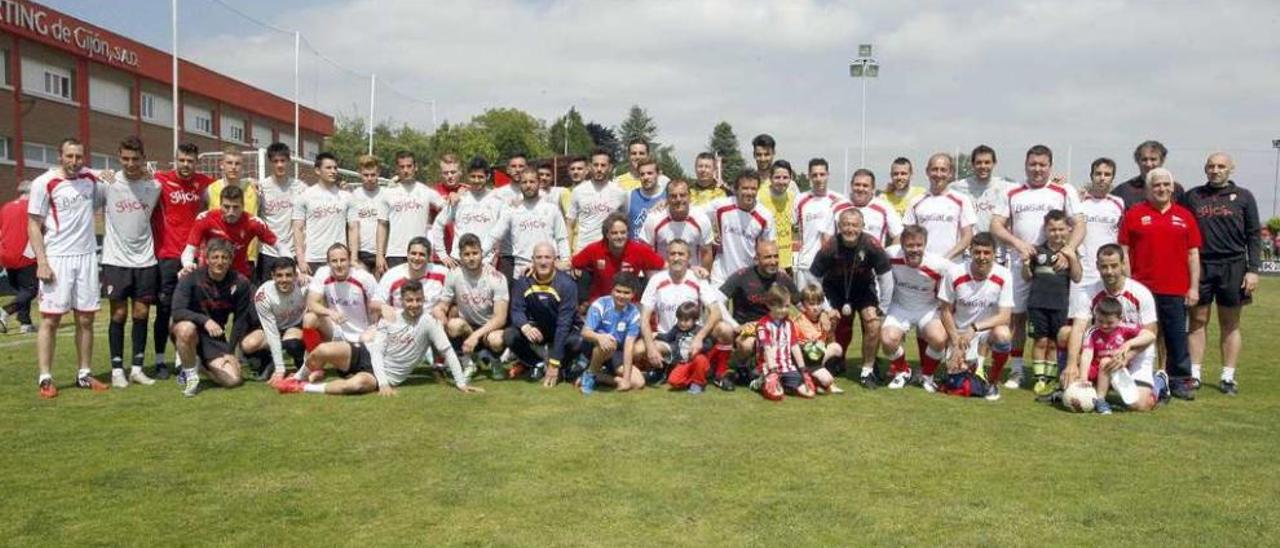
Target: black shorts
{"points": [[122, 282], [169, 269], [315, 265], [209, 348], [791, 380], [1045, 322], [369, 260], [266, 264], [863, 299], [393, 262], [1222, 281], [360, 362]]}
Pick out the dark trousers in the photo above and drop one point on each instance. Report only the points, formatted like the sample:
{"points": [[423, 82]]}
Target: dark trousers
{"points": [[1171, 313], [523, 349], [25, 286]]}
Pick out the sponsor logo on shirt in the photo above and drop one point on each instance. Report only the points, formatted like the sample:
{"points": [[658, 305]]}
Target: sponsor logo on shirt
{"points": [[325, 211], [130, 206], [532, 224], [407, 205], [935, 217], [183, 197], [475, 217], [277, 205]]}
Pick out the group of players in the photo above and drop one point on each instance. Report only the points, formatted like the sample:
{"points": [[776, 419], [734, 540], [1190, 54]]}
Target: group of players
{"points": [[635, 279]]}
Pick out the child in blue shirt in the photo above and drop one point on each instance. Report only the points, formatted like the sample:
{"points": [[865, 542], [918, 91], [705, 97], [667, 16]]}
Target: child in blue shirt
{"points": [[612, 328]]}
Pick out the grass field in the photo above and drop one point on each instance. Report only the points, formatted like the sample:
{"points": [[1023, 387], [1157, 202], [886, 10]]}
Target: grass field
{"points": [[524, 466]]}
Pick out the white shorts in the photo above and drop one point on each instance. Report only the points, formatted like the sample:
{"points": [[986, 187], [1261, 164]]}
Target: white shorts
{"points": [[1021, 287], [904, 319], [1079, 291], [971, 354], [1142, 367], [74, 285]]}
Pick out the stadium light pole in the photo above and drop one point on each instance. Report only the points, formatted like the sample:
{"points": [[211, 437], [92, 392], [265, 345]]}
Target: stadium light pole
{"points": [[1275, 190], [174, 14], [373, 95], [297, 94], [864, 67]]}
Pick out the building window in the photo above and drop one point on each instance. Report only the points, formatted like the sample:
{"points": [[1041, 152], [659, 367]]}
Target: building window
{"points": [[198, 120], [57, 83], [233, 129], [204, 124], [148, 106], [156, 109], [5, 78], [109, 96], [104, 161], [6, 151], [38, 155], [261, 136]]}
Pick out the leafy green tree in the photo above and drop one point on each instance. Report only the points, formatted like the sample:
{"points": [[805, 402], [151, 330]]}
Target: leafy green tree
{"points": [[724, 143], [579, 138], [669, 164], [466, 141], [605, 138], [638, 125], [513, 130]]}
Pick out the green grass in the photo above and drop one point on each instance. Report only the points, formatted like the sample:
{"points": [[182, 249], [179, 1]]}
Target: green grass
{"points": [[524, 466]]}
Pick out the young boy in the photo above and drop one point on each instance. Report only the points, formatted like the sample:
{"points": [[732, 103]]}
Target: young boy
{"points": [[613, 325], [778, 357], [1051, 271], [689, 366], [1102, 344], [823, 357]]}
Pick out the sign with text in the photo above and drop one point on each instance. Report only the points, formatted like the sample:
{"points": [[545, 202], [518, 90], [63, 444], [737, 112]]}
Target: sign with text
{"points": [[88, 40]]}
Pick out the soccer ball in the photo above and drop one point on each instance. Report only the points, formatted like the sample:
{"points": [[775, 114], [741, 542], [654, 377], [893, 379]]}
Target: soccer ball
{"points": [[1079, 397]]}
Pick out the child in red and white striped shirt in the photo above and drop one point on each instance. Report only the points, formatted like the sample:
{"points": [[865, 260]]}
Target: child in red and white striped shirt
{"points": [[778, 356]]}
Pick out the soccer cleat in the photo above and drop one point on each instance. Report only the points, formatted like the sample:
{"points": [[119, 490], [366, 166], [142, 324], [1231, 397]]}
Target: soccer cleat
{"points": [[468, 367], [1228, 387], [1182, 389], [993, 393], [1163, 395], [138, 377], [899, 380], [587, 382], [192, 385], [27, 329], [1042, 386], [695, 389], [1052, 398], [1195, 383], [118, 380], [516, 370], [833, 389], [868, 382], [725, 383], [1101, 406], [87, 381], [289, 385], [180, 377], [1014, 381], [162, 371], [539, 371], [928, 384], [47, 390]]}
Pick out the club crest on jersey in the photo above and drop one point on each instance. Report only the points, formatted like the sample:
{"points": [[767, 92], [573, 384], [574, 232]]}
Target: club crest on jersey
{"points": [[1146, 220]]}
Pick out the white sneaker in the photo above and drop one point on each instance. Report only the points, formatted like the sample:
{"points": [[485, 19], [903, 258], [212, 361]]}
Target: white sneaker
{"points": [[191, 386], [927, 383], [468, 367], [27, 328], [1015, 381], [4, 321], [118, 380], [899, 381], [138, 377]]}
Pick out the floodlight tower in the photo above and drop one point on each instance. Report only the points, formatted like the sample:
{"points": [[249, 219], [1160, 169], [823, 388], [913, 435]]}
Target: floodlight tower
{"points": [[863, 68]]}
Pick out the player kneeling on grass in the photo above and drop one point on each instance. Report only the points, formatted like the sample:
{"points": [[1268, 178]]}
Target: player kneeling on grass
{"points": [[977, 304], [684, 349], [203, 302], [473, 307], [280, 305], [383, 357], [1106, 348], [914, 303], [613, 326], [779, 360], [816, 325]]}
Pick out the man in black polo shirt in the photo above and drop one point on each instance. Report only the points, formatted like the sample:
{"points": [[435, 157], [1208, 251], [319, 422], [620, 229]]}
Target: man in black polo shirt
{"points": [[1149, 155], [745, 290], [1229, 259], [849, 266]]}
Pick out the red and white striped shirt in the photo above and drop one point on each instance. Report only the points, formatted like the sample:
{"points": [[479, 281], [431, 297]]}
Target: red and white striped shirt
{"points": [[774, 340], [944, 216]]}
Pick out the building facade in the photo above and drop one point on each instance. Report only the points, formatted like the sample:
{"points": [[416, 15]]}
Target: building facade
{"points": [[64, 77]]}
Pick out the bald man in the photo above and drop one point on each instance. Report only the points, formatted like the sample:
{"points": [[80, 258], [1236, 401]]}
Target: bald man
{"points": [[1230, 256], [744, 291]]}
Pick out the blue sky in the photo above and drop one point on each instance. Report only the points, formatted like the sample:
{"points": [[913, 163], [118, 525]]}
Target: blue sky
{"points": [[1088, 78]]}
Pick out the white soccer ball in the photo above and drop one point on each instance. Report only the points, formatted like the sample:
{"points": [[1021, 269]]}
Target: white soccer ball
{"points": [[1079, 397]]}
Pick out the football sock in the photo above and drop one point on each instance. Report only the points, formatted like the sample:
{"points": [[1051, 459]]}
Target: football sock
{"points": [[899, 362], [720, 359], [867, 370], [1229, 374], [115, 342], [138, 340], [295, 350], [314, 388], [929, 360], [44, 377], [1195, 371], [191, 372], [1018, 364], [159, 358], [998, 360], [82, 373]]}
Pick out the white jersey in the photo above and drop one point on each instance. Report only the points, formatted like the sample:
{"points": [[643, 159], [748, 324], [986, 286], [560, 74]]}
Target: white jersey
{"points": [[398, 347], [525, 225], [944, 216], [323, 212], [67, 206], [814, 216], [275, 206], [976, 299], [660, 229], [510, 194], [738, 231], [472, 214], [916, 288], [364, 210], [589, 205], [475, 296], [986, 197], [880, 220], [395, 278], [664, 295], [1026, 206], [351, 296], [1102, 218], [406, 208], [1139, 306], [128, 240], [559, 196], [278, 312]]}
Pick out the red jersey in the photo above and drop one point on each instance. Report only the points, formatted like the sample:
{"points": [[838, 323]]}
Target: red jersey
{"points": [[210, 224], [1158, 246], [446, 192], [636, 257], [13, 235], [180, 202], [775, 338]]}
